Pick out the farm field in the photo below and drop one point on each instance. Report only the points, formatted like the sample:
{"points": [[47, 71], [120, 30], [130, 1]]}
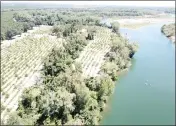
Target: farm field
{"points": [[21, 62], [92, 57]]}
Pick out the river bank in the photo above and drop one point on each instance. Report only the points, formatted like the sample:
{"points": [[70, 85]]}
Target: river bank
{"points": [[145, 97]]}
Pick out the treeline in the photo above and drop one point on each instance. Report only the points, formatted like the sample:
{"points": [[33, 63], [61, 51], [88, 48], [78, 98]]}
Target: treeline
{"points": [[54, 18], [10, 26], [67, 30], [28, 19]]}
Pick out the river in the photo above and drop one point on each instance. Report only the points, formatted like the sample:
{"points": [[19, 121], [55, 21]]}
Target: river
{"points": [[146, 93]]}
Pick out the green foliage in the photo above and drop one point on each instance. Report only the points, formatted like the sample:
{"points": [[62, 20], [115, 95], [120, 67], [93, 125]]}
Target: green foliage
{"points": [[93, 83], [168, 30], [58, 30], [111, 69], [27, 26], [75, 46], [66, 30], [91, 33], [115, 27], [57, 62], [119, 56], [9, 27], [133, 49], [106, 88], [51, 18]]}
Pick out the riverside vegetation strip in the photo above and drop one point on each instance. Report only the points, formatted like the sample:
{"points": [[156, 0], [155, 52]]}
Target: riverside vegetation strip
{"points": [[77, 76]]}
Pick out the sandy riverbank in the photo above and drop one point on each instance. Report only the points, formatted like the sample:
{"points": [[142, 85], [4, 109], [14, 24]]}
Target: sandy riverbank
{"points": [[139, 22]]}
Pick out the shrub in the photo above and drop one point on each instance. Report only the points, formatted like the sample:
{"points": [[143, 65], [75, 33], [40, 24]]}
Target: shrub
{"points": [[7, 96], [115, 27]]}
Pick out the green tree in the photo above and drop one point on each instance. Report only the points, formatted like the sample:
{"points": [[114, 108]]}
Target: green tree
{"points": [[115, 27]]}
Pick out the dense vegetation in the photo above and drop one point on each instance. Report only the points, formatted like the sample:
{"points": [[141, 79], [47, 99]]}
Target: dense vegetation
{"points": [[66, 97], [9, 27], [168, 30], [118, 58], [30, 17]]}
